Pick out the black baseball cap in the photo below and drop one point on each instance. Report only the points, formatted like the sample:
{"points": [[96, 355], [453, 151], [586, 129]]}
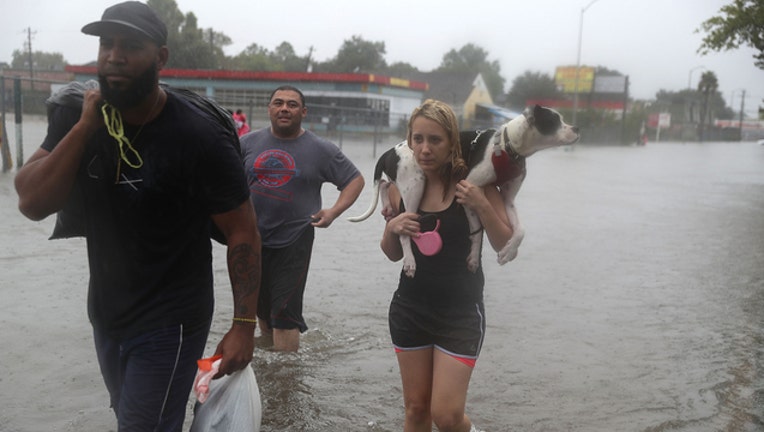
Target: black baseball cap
{"points": [[133, 16]]}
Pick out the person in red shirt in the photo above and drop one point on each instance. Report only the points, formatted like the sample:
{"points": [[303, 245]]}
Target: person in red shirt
{"points": [[241, 122]]}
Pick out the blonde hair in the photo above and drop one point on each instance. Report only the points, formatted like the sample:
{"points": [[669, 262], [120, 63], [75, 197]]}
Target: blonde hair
{"points": [[442, 114]]}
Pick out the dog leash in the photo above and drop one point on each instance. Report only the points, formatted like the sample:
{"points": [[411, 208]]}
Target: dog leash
{"points": [[477, 137]]}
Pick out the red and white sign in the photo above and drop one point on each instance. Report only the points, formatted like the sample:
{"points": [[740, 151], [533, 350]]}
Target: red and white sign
{"points": [[662, 120]]}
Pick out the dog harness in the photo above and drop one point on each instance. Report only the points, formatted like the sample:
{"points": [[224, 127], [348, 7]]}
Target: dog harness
{"points": [[506, 165]]}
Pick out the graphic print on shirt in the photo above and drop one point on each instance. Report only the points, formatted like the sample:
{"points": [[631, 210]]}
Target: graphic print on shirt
{"points": [[274, 169]]}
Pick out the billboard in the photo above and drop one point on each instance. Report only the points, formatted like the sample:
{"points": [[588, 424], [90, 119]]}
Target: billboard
{"points": [[565, 79], [610, 84]]}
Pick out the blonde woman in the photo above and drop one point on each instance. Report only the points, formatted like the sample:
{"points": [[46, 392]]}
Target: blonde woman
{"points": [[437, 319]]}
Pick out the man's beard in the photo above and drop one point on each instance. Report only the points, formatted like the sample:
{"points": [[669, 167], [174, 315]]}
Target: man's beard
{"points": [[134, 94]]}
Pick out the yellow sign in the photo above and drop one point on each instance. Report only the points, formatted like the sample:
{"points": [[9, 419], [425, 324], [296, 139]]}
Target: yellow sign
{"points": [[565, 79]]}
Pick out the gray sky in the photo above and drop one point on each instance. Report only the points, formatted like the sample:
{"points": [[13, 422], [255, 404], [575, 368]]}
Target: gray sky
{"points": [[652, 41]]}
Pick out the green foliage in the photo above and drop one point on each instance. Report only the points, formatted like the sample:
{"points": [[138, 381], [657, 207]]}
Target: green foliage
{"points": [[532, 85], [738, 23], [706, 87], [258, 58], [472, 58], [169, 13], [253, 58], [190, 47], [290, 61], [693, 109], [401, 69], [708, 83], [40, 60], [356, 56]]}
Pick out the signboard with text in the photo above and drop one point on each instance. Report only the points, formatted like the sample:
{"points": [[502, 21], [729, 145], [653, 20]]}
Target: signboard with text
{"points": [[610, 84], [565, 79]]}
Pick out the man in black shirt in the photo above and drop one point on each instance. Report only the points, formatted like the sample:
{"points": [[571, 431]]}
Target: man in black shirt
{"points": [[154, 172]]}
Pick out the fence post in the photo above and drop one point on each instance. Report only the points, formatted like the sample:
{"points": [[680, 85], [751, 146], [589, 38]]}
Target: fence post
{"points": [[17, 110], [341, 126], [6, 152], [376, 134]]}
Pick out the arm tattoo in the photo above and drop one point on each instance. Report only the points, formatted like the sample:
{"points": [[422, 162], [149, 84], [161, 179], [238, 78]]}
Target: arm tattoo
{"points": [[244, 271]]}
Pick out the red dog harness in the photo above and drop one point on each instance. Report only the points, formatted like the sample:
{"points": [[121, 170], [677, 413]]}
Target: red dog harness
{"points": [[507, 166]]}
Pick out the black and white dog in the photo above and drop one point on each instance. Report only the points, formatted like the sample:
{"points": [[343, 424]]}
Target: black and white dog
{"points": [[493, 157]]}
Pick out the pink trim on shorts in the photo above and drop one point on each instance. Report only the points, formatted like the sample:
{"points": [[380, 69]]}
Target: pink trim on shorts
{"points": [[466, 360]]}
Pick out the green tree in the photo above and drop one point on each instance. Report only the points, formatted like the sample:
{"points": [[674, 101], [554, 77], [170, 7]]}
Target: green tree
{"points": [[356, 56], [474, 59], [531, 85], [253, 58], [169, 13], [41, 61], [399, 69], [707, 86], [190, 50], [684, 105], [216, 41], [738, 23], [190, 47], [285, 55]]}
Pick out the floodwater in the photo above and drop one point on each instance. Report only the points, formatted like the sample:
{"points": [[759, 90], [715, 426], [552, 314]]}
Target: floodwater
{"points": [[636, 304]]}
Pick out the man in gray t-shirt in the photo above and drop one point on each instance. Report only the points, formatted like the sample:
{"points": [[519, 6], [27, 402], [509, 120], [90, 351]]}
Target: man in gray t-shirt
{"points": [[286, 166]]}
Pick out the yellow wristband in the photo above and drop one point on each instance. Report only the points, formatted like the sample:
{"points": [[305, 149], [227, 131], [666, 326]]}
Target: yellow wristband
{"points": [[245, 320]]}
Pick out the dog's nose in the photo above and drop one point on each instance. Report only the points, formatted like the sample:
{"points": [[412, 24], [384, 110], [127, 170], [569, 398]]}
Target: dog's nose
{"points": [[575, 129]]}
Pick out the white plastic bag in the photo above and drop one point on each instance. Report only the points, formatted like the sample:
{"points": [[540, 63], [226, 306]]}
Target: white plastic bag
{"points": [[229, 404], [208, 367]]}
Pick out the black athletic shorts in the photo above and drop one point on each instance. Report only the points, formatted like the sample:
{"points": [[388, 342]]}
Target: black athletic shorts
{"points": [[282, 287], [457, 330]]}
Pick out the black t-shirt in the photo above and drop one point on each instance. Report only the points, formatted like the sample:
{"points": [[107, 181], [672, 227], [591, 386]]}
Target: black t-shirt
{"points": [[148, 228]]}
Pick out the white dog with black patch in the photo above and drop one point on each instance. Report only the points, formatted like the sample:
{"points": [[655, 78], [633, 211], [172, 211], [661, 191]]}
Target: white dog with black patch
{"points": [[493, 156]]}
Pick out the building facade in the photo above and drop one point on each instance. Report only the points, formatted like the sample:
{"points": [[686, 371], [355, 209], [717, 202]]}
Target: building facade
{"points": [[356, 102]]}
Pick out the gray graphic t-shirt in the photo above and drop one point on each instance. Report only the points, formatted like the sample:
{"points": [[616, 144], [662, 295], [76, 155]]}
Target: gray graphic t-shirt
{"points": [[285, 179]]}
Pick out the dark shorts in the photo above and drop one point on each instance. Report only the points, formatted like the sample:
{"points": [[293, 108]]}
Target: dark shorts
{"points": [[149, 376], [285, 271], [457, 330]]}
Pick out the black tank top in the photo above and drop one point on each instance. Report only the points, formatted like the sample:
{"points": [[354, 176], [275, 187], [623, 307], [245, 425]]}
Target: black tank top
{"points": [[443, 278]]}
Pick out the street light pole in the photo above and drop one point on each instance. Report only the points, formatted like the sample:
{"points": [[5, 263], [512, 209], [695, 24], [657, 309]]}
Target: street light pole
{"points": [[689, 76], [742, 107], [578, 60]]}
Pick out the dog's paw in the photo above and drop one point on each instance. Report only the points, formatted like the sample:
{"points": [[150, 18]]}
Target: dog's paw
{"points": [[509, 251], [409, 267], [506, 255], [473, 262]]}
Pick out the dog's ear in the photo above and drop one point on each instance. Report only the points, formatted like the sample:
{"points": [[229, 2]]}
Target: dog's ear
{"points": [[530, 114], [546, 121]]}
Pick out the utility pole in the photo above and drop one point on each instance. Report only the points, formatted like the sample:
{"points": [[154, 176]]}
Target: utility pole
{"points": [[578, 61], [625, 104], [308, 66], [31, 58], [742, 105]]}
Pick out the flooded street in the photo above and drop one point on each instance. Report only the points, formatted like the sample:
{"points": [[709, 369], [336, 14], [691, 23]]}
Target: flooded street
{"points": [[636, 304]]}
